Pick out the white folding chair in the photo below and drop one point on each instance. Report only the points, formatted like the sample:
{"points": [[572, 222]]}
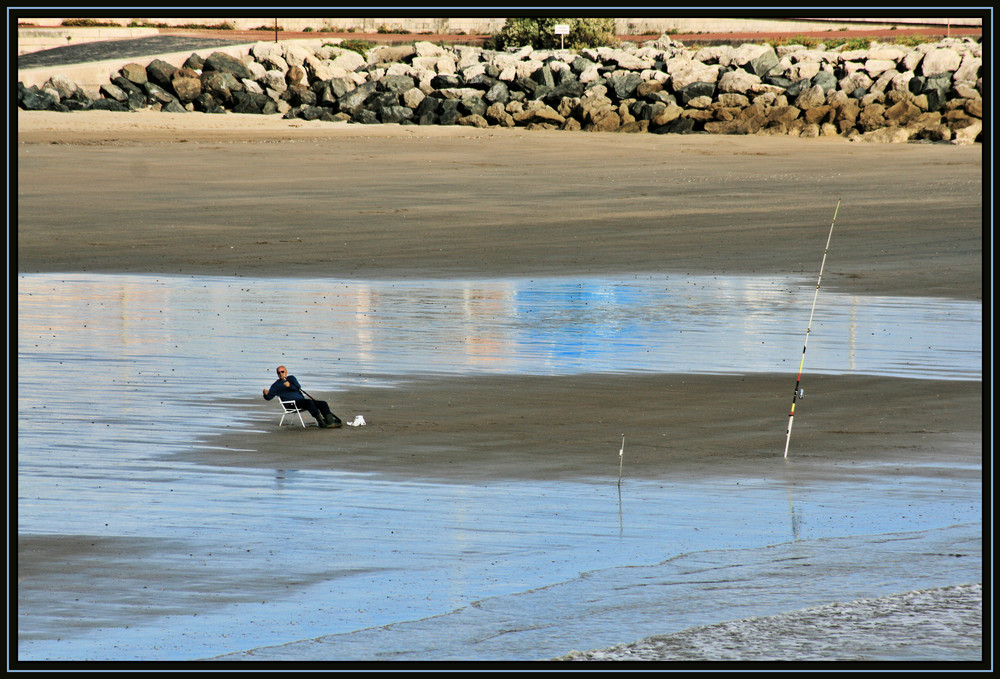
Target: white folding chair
{"points": [[288, 407]]}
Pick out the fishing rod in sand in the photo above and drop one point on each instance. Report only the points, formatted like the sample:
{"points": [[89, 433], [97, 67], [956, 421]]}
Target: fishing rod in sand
{"points": [[798, 380]]}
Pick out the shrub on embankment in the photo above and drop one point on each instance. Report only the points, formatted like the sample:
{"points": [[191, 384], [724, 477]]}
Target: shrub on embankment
{"points": [[882, 93]]}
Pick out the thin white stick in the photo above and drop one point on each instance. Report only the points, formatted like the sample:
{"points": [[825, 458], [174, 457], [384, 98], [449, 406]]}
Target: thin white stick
{"points": [[621, 458]]}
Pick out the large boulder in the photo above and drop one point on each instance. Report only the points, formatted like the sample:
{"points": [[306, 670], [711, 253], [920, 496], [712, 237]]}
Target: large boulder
{"points": [[353, 102], [270, 55], [348, 60], [757, 60], [160, 72], [186, 88], [62, 84], [34, 99], [683, 72], [135, 73], [738, 81], [225, 63], [221, 85], [940, 60], [623, 84]]}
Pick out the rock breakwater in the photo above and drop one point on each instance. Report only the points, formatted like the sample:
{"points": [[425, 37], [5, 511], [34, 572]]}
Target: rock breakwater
{"points": [[885, 93]]}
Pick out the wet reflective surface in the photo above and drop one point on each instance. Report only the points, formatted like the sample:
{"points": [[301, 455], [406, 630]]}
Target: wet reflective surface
{"points": [[101, 357], [142, 330]]}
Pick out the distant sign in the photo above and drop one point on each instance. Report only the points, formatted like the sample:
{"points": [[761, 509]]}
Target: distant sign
{"points": [[561, 29]]}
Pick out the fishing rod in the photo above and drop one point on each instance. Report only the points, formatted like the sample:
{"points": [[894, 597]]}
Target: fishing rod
{"points": [[798, 380]]}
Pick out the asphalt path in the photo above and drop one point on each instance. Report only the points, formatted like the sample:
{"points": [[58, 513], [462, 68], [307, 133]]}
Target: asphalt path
{"points": [[121, 49]]}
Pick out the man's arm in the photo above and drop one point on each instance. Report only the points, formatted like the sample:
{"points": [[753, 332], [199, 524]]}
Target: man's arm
{"points": [[267, 395]]}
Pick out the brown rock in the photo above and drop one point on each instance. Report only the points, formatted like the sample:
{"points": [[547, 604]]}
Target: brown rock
{"points": [[871, 117]]}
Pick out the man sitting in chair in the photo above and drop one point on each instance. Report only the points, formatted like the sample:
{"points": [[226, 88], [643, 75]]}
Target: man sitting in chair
{"points": [[287, 388]]}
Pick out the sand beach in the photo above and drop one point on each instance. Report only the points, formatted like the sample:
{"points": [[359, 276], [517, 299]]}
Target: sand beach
{"points": [[261, 197]]}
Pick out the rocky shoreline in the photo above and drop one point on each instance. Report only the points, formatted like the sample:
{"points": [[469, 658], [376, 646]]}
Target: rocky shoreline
{"points": [[886, 93]]}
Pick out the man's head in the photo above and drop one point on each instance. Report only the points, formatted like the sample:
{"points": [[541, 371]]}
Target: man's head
{"points": [[282, 372]]}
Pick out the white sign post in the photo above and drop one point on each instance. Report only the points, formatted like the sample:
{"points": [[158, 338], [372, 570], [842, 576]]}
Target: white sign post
{"points": [[561, 30]]}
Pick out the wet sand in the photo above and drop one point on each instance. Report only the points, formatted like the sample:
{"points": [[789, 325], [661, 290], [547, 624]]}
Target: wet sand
{"points": [[250, 196], [255, 196], [474, 428]]}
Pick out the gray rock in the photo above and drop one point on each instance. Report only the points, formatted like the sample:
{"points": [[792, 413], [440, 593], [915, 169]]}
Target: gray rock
{"points": [[499, 93], [270, 54], [341, 86], [757, 60], [194, 62], [445, 81], [365, 117], [160, 73], [275, 80], [683, 72], [253, 102], [395, 114], [206, 102], [449, 117], [108, 105], [114, 92], [623, 84], [412, 97], [825, 80], [224, 63], [940, 60], [397, 83], [33, 99], [738, 81], [354, 101], [173, 106], [472, 106], [220, 85], [135, 73], [811, 98], [695, 90], [933, 92], [129, 86], [543, 76], [391, 54], [158, 94], [969, 69], [62, 85], [580, 64]]}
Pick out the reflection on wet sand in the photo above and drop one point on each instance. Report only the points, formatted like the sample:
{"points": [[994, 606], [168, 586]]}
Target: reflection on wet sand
{"points": [[146, 365]]}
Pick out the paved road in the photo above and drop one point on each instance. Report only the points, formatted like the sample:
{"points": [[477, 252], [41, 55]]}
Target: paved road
{"points": [[121, 49]]}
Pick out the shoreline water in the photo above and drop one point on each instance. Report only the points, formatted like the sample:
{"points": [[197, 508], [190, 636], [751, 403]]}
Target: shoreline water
{"points": [[174, 196], [436, 449], [839, 632]]}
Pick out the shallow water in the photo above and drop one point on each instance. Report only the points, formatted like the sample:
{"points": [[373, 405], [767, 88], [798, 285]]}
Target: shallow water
{"points": [[112, 370], [918, 626]]}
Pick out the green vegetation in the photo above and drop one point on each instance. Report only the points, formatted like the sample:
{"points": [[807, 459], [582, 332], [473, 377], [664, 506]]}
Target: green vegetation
{"points": [[853, 43], [539, 32], [87, 23], [224, 26], [362, 47]]}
